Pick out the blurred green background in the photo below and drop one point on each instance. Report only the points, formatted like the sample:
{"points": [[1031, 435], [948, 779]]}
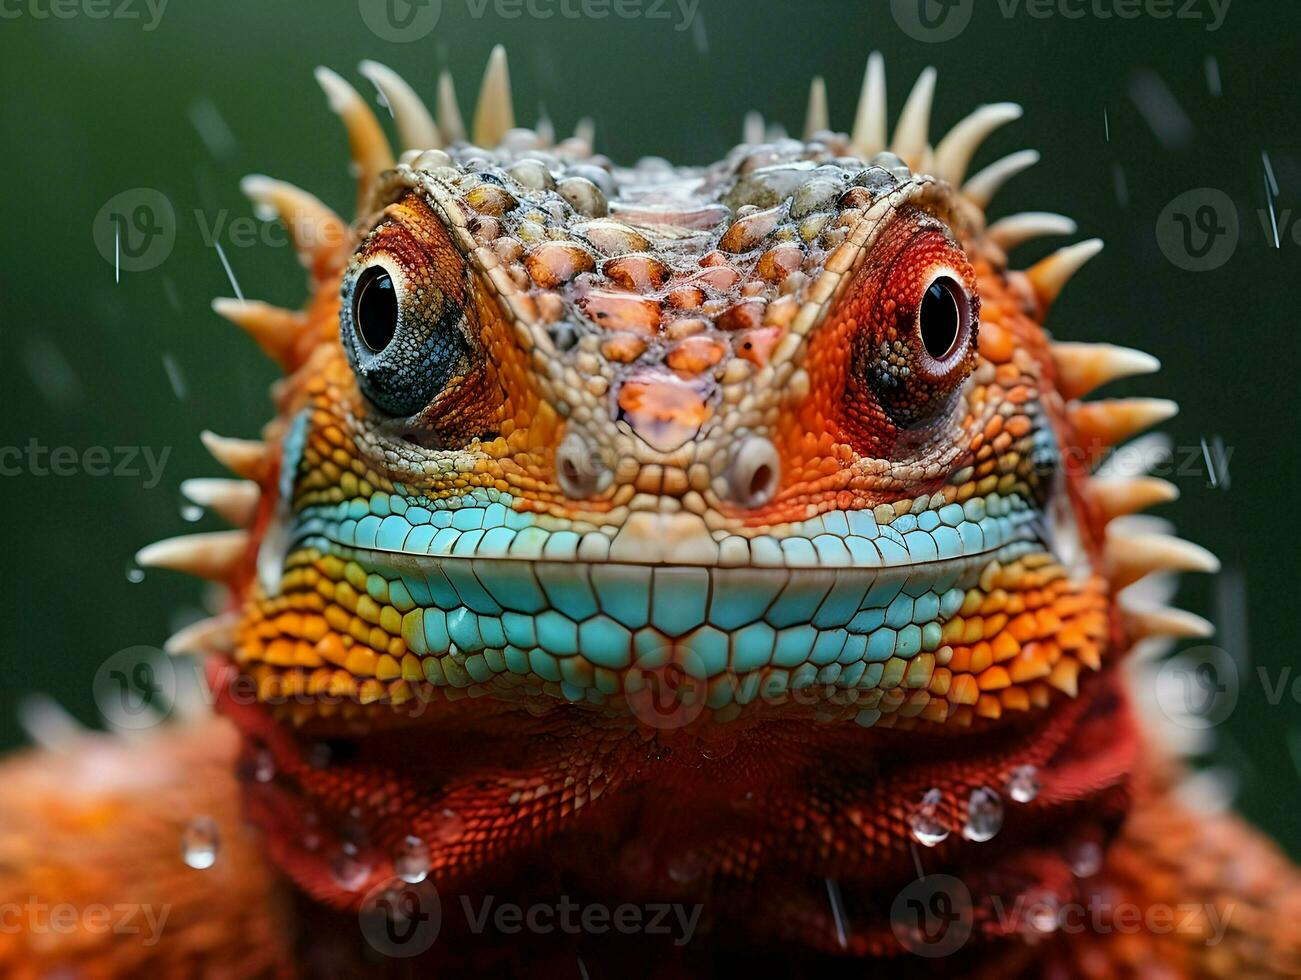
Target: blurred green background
{"points": [[1128, 114]]}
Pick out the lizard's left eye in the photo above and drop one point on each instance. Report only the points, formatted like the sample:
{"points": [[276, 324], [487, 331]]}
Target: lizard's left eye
{"points": [[402, 335]]}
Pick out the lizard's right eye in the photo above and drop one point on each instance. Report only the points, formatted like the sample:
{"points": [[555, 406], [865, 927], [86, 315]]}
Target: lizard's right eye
{"points": [[375, 309], [403, 334]]}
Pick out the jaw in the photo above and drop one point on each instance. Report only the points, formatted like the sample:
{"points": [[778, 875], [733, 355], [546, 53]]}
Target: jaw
{"points": [[662, 625]]}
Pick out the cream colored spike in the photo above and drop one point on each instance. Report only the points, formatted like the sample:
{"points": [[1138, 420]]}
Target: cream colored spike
{"points": [[276, 330], [1143, 622], [1082, 368], [752, 128], [206, 636], [416, 127], [912, 134], [1119, 496], [370, 150], [449, 113], [1110, 421], [546, 130], [319, 236], [982, 187], [870, 119], [214, 555], [1050, 276], [233, 500], [954, 153], [1130, 556], [1016, 229], [494, 115], [48, 725], [585, 131], [817, 118], [244, 457]]}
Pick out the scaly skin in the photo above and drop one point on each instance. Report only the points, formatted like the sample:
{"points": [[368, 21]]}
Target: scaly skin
{"points": [[672, 547]]}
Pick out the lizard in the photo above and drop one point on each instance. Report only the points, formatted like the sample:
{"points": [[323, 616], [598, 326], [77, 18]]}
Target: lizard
{"points": [[734, 538]]}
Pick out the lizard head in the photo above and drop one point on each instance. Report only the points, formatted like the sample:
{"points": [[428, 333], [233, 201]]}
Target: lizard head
{"points": [[781, 437]]}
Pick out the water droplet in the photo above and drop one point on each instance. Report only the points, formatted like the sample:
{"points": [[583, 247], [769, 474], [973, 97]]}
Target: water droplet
{"points": [[1085, 857], [347, 867], [134, 574], [200, 842], [448, 826], [311, 831], [1023, 783], [318, 756], [1041, 912], [924, 821], [264, 766], [411, 862], [984, 815], [684, 868], [191, 512]]}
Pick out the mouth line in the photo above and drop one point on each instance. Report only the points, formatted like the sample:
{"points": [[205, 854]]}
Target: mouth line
{"points": [[414, 561]]}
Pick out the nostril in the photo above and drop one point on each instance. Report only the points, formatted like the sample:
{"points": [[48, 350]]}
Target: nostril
{"points": [[579, 470], [754, 473]]}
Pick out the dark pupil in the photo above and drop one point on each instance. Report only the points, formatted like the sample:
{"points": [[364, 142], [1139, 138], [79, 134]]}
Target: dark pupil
{"points": [[939, 319], [375, 310]]}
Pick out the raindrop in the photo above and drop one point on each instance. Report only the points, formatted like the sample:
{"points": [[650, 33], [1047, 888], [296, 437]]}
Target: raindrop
{"points": [[685, 868], [1023, 784], [347, 867], [924, 820], [134, 574], [264, 766], [200, 842], [448, 826], [411, 862], [1041, 912], [984, 815], [1085, 857], [318, 756], [311, 831]]}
